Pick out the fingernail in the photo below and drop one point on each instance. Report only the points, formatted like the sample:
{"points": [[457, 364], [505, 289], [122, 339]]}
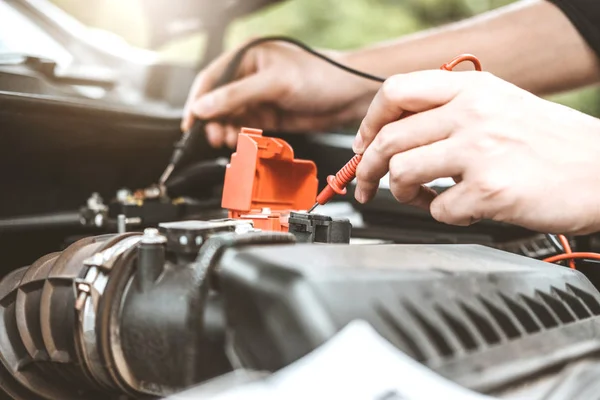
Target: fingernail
{"points": [[358, 144]]}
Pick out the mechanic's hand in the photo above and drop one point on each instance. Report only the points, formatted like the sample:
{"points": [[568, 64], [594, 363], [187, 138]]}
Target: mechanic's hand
{"points": [[279, 87], [515, 157]]}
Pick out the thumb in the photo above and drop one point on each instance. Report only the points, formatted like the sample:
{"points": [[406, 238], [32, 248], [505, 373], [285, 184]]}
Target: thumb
{"points": [[224, 101]]}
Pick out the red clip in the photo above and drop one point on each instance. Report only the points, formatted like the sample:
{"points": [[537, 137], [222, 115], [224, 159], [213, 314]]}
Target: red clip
{"points": [[263, 181]]}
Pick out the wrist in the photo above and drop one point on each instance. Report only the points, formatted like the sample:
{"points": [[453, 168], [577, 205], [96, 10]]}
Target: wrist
{"points": [[362, 60], [362, 88]]}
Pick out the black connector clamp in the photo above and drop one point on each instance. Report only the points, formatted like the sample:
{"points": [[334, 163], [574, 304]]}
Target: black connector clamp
{"points": [[314, 228]]}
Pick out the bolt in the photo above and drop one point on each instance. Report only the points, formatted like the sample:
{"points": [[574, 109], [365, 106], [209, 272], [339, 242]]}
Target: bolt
{"points": [[80, 302], [183, 240], [199, 240], [121, 223], [83, 287], [152, 236]]}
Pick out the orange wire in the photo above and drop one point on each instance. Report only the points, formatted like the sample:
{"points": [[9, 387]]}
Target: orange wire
{"points": [[462, 58], [565, 244], [572, 256]]}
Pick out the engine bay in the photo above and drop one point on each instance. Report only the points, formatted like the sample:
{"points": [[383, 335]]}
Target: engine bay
{"points": [[116, 284], [160, 290]]}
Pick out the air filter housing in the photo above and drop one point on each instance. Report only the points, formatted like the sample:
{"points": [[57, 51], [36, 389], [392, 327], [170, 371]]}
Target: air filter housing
{"points": [[479, 316]]}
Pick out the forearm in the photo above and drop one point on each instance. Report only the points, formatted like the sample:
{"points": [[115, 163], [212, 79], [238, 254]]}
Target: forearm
{"points": [[531, 44]]}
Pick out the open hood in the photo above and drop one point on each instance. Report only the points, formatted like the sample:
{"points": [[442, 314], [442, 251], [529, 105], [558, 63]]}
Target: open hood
{"points": [[173, 18]]}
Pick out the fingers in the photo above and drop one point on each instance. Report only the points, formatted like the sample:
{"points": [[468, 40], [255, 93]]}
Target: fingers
{"points": [[231, 135], [420, 196], [458, 206], [398, 137], [415, 167], [203, 83], [414, 92], [219, 135], [269, 118], [215, 134], [229, 99]]}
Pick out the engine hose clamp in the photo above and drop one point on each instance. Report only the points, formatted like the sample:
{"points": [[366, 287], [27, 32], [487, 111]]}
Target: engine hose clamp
{"points": [[107, 257], [88, 292]]}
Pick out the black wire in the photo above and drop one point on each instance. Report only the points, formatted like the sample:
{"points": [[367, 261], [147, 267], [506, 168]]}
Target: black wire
{"points": [[231, 69], [229, 73]]}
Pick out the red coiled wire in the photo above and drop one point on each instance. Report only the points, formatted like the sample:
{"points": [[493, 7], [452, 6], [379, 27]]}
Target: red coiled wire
{"points": [[348, 172]]}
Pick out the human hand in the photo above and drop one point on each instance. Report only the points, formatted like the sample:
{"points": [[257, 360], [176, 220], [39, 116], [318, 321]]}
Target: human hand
{"points": [[516, 158], [278, 87]]}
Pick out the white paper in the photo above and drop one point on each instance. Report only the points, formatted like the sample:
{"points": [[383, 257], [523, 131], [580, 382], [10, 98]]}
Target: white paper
{"points": [[356, 364]]}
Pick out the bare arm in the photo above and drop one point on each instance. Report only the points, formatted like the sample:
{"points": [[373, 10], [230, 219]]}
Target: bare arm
{"points": [[530, 43]]}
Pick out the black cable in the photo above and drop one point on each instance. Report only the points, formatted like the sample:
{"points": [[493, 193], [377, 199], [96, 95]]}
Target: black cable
{"points": [[58, 220], [229, 74], [236, 60]]}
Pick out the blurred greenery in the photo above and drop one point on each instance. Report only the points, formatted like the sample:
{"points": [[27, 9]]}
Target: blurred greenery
{"points": [[332, 24]]}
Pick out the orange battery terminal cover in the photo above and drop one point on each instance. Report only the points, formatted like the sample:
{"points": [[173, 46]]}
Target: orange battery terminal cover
{"points": [[263, 181]]}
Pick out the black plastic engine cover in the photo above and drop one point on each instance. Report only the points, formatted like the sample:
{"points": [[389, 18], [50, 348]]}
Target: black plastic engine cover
{"points": [[479, 316]]}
